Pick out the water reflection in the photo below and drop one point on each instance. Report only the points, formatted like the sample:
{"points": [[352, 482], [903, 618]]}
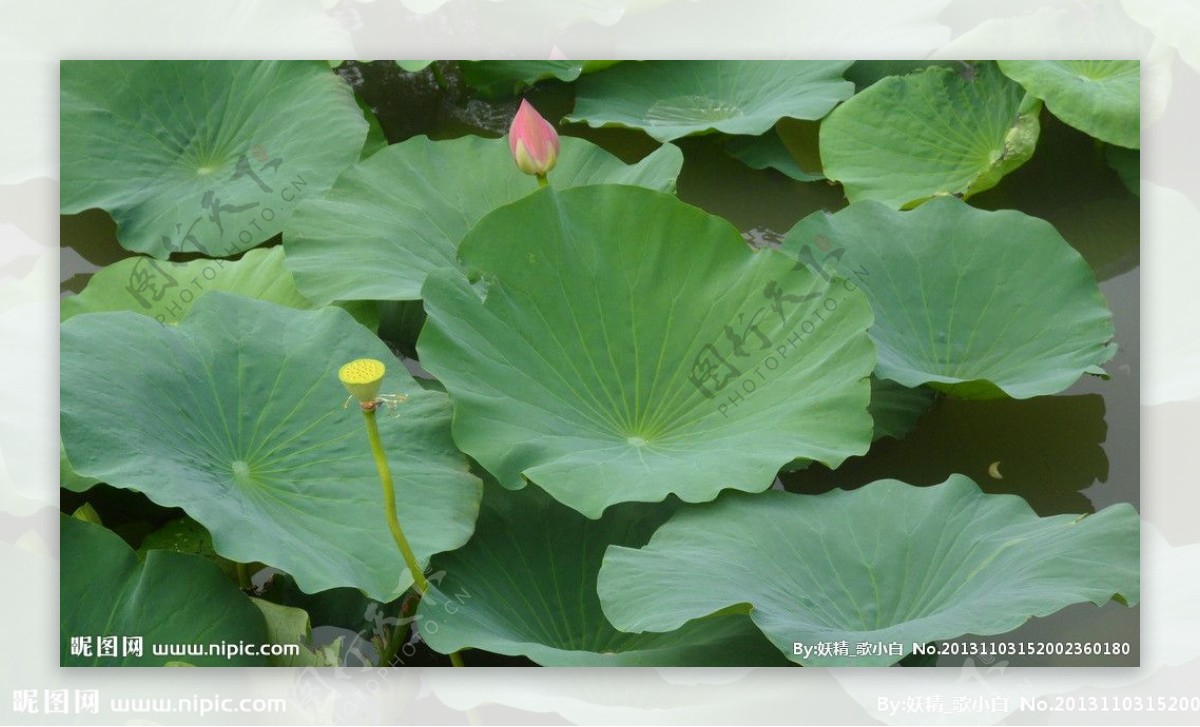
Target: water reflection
{"points": [[89, 242], [1046, 449]]}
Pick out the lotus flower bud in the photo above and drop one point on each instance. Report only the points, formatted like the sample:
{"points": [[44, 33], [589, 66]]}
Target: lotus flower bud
{"points": [[533, 141], [362, 378]]}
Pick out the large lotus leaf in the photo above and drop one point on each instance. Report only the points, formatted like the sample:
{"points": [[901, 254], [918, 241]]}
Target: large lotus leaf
{"points": [[671, 99], [630, 346], [885, 563], [202, 156], [1100, 98], [394, 218], [526, 585], [172, 600], [236, 415], [978, 304], [165, 291], [932, 132]]}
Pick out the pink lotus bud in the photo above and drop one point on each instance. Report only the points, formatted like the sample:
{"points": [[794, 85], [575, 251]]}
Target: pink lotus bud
{"points": [[533, 141]]}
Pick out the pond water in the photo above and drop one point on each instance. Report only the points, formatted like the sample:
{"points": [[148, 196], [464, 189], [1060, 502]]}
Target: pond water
{"points": [[1075, 452]]}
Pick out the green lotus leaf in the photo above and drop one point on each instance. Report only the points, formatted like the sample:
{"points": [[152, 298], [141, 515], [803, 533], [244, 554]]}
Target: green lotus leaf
{"points": [[1127, 163], [400, 322], [237, 416], [867, 73], [185, 535], [672, 99], [88, 514], [802, 140], [885, 563], [933, 132], [526, 586], [1100, 98], [172, 600], [414, 66], [768, 151], [376, 137], [394, 218], [287, 625], [69, 478], [202, 156], [507, 78], [895, 408], [346, 610], [165, 291], [977, 304], [630, 346]]}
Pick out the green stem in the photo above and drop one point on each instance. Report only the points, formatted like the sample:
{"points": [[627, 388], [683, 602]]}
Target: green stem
{"points": [[542, 181], [404, 620], [243, 576], [389, 505], [393, 643], [389, 502]]}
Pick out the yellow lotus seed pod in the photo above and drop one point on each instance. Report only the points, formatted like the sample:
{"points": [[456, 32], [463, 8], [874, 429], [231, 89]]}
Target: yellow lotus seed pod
{"points": [[362, 378]]}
